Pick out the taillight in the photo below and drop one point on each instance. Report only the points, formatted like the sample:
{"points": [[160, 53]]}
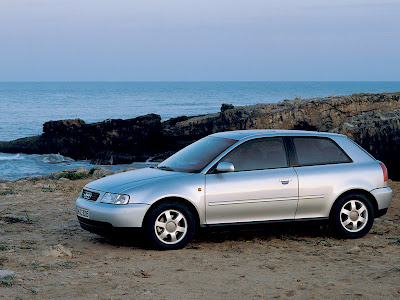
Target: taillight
{"points": [[385, 172]]}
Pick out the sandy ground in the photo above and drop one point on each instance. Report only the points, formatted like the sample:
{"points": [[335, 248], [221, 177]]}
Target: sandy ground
{"points": [[275, 261]]}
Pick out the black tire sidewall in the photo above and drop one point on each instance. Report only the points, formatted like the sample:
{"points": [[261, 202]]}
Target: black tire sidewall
{"points": [[337, 227], [152, 216]]}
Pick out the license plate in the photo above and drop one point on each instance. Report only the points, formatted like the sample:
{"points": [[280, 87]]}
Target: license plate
{"points": [[81, 212]]}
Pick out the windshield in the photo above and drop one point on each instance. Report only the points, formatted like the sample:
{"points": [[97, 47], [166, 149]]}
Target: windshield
{"points": [[196, 156]]}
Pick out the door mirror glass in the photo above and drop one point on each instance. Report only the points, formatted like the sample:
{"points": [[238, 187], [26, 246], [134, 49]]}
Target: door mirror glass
{"points": [[224, 167]]}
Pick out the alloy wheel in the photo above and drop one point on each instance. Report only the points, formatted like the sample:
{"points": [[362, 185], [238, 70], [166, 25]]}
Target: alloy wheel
{"points": [[354, 215], [170, 226]]}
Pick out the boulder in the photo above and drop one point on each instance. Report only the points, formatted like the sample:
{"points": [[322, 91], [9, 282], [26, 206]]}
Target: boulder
{"points": [[57, 251], [82, 170], [63, 179], [102, 172]]}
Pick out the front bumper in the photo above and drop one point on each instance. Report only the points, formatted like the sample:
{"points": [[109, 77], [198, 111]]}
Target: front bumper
{"points": [[127, 216], [96, 226], [383, 197]]}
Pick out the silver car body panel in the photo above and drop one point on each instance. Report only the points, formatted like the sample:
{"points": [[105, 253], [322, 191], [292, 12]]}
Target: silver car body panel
{"points": [[383, 197], [320, 186], [298, 192], [130, 215], [186, 186], [251, 196], [119, 183]]}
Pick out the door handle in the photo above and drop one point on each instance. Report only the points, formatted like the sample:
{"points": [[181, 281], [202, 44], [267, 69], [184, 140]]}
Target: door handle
{"points": [[285, 180]]}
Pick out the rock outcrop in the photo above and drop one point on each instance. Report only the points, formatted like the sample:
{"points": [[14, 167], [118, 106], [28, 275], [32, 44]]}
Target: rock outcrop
{"points": [[108, 142], [372, 120], [379, 134]]}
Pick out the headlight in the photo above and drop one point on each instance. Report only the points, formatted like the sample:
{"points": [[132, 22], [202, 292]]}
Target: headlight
{"points": [[115, 198]]}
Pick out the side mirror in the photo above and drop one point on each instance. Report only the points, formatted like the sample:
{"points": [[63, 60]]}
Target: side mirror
{"points": [[224, 167]]}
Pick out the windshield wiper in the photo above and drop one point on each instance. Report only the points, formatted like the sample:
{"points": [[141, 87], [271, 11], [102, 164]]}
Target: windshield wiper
{"points": [[165, 168]]}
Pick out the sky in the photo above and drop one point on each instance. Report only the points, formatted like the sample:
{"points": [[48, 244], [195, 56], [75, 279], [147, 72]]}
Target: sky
{"points": [[205, 40]]}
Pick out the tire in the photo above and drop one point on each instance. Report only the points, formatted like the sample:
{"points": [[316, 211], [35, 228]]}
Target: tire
{"points": [[169, 226], [352, 216]]}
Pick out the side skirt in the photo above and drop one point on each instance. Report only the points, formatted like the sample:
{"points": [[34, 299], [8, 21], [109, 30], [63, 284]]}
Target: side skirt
{"points": [[266, 222]]}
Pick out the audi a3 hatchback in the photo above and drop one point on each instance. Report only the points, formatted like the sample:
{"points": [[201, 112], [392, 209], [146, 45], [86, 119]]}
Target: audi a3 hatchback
{"points": [[240, 177]]}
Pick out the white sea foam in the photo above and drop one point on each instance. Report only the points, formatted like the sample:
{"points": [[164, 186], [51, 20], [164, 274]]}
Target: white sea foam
{"points": [[12, 157], [56, 158], [13, 166]]}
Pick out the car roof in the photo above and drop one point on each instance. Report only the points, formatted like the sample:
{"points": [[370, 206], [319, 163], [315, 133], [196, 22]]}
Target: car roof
{"points": [[244, 134]]}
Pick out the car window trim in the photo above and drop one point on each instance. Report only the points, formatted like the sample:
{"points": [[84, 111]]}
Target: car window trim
{"points": [[294, 152], [290, 151]]}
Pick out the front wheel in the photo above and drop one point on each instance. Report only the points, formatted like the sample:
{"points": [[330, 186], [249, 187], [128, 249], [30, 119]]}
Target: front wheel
{"points": [[352, 216], [169, 226]]}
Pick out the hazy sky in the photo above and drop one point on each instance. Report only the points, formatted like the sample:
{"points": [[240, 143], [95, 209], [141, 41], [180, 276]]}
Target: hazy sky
{"points": [[90, 40]]}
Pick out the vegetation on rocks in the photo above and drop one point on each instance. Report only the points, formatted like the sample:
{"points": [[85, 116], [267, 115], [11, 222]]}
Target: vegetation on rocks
{"points": [[72, 175]]}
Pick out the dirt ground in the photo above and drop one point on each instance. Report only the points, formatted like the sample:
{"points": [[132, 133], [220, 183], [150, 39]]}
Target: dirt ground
{"points": [[295, 261]]}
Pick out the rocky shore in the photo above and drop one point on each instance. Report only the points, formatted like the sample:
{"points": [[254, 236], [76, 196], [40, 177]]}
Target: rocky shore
{"points": [[372, 120]]}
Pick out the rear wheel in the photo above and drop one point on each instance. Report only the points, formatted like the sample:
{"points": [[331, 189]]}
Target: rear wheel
{"points": [[352, 216], [169, 226]]}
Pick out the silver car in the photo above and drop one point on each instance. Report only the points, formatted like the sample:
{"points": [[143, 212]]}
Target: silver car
{"points": [[240, 177]]}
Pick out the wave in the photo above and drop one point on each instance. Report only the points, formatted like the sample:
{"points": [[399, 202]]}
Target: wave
{"points": [[56, 158], [43, 158], [13, 157]]}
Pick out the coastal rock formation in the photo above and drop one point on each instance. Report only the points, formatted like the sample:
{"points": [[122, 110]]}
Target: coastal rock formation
{"points": [[379, 134], [321, 114], [109, 142], [372, 120]]}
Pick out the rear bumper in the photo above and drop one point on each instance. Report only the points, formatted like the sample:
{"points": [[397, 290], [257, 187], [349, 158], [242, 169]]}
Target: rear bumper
{"points": [[383, 197]]}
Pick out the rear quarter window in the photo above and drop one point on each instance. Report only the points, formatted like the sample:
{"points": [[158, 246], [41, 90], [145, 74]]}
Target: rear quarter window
{"points": [[318, 151]]}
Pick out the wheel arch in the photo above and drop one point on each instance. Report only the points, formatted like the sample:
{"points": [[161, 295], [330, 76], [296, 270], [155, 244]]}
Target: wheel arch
{"points": [[357, 191], [183, 201]]}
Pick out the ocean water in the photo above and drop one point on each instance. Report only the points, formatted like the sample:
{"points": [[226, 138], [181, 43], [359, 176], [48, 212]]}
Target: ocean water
{"points": [[14, 166], [25, 106]]}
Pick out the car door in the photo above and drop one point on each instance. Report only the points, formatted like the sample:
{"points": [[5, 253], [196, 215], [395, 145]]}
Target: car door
{"points": [[261, 188]]}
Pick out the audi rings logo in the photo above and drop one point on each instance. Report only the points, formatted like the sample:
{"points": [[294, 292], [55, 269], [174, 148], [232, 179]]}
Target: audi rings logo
{"points": [[87, 195]]}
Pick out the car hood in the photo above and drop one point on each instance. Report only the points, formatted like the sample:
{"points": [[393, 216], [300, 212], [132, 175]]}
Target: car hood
{"points": [[120, 182]]}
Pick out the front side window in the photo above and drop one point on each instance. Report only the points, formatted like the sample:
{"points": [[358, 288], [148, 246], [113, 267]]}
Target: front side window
{"points": [[196, 156], [267, 153], [318, 151]]}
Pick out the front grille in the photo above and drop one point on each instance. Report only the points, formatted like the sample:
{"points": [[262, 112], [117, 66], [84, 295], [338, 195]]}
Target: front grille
{"points": [[89, 195]]}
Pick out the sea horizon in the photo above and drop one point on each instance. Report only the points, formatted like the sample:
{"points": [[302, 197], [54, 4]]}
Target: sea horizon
{"points": [[29, 104], [183, 81]]}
